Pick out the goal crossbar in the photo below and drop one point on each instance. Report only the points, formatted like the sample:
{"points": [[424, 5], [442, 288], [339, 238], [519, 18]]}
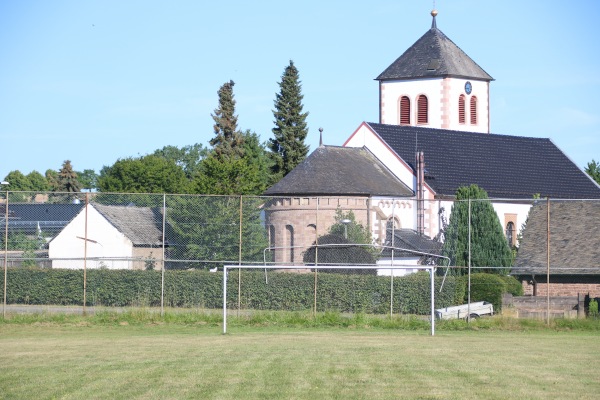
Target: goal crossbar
{"points": [[428, 268]]}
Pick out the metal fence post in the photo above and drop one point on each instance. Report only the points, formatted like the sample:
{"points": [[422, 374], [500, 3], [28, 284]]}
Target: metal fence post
{"points": [[162, 275], [469, 263], [5, 254], [548, 262], [391, 270], [85, 241], [316, 254], [239, 302]]}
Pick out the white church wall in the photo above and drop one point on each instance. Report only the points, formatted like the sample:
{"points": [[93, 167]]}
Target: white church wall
{"points": [[442, 95], [364, 137], [392, 91], [454, 87]]}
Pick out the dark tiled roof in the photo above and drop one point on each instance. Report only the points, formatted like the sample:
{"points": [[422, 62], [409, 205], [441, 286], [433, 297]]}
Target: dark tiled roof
{"points": [[505, 166], [332, 170], [49, 216], [434, 55], [44, 211], [142, 225], [574, 239], [411, 244]]}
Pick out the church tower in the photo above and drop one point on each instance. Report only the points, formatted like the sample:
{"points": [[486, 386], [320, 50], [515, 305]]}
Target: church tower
{"points": [[435, 84]]}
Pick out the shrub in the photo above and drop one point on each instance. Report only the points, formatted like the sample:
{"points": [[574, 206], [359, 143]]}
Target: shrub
{"points": [[513, 286], [593, 308], [487, 287]]}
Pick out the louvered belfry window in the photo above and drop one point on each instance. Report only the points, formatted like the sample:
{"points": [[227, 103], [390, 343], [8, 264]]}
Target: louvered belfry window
{"points": [[404, 110], [461, 109], [422, 109], [473, 110]]}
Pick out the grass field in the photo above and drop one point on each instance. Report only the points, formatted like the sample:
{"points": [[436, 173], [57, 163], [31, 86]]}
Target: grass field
{"points": [[76, 359]]}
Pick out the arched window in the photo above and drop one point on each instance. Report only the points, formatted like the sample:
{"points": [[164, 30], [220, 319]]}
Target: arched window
{"points": [[272, 239], [422, 109], [290, 241], [461, 109], [473, 110], [404, 110], [393, 223], [510, 233]]}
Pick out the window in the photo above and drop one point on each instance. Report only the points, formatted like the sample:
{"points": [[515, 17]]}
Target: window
{"points": [[290, 241], [393, 223], [473, 110], [272, 239], [461, 109], [404, 110], [510, 233], [422, 109]]}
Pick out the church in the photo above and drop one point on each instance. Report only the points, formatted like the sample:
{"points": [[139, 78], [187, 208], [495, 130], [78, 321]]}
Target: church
{"points": [[433, 136]]}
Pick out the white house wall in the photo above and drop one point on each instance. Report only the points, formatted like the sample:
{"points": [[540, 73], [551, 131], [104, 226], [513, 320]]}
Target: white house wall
{"points": [[67, 250], [399, 262]]}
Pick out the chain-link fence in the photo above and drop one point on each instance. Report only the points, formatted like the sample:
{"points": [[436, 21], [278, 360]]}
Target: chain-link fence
{"points": [[550, 247]]}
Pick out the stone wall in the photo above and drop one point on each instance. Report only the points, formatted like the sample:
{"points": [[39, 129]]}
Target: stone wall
{"points": [[561, 289], [294, 223]]}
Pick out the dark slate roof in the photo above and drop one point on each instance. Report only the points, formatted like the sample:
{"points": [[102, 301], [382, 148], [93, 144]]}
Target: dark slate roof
{"points": [[142, 225], [411, 244], [51, 217], [434, 55], [511, 167], [332, 170], [574, 239]]}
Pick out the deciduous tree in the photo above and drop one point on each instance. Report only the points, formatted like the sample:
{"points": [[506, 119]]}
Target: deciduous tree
{"points": [[188, 157], [88, 179], [593, 170], [147, 174], [38, 182]]}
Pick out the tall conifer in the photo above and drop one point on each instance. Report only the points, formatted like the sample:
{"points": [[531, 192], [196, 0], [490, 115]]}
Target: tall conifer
{"points": [[288, 147], [67, 179], [228, 140], [489, 248]]}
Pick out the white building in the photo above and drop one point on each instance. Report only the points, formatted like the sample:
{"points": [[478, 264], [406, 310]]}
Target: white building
{"points": [[433, 136], [112, 237]]}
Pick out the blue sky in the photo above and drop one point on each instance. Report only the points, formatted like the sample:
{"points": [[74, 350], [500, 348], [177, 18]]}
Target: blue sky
{"points": [[95, 81]]}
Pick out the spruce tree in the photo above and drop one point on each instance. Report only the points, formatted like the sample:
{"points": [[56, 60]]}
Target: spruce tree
{"points": [[67, 179], [490, 251], [288, 147], [228, 142]]}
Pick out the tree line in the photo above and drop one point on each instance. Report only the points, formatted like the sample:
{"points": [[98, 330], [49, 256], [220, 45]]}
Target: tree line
{"points": [[235, 162]]}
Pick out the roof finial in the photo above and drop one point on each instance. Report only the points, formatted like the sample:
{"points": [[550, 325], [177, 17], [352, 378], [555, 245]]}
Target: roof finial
{"points": [[320, 137], [433, 14]]}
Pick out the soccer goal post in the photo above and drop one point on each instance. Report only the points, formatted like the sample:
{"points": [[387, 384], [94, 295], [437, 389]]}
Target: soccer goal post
{"points": [[428, 268]]}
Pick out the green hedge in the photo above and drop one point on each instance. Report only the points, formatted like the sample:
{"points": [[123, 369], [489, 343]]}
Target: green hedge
{"points": [[276, 291], [486, 287]]}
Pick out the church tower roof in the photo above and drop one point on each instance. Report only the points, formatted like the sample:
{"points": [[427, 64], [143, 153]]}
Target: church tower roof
{"points": [[434, 55]]}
